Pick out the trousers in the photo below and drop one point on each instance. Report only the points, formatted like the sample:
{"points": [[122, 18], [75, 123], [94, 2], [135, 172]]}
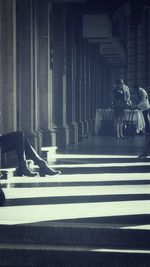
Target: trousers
{"points": [[146, 115], [16, 141]]}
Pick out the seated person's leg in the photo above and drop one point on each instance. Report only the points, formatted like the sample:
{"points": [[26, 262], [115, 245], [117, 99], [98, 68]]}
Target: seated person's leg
{"points": [[15, 142], [32, 154], [2, 197]]}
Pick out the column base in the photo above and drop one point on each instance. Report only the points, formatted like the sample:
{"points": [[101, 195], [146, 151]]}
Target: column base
{"points": [[91, 126], [81, 131], [49, 137], [62, 136], [73, 133], [86, 127]]}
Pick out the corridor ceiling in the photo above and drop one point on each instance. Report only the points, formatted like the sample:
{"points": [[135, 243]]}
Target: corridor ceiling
{"points": [[97, 16], [110, 6]]}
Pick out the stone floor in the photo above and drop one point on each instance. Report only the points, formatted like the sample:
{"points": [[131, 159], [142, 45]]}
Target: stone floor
{"points": [[96, 213], [102, 182]]}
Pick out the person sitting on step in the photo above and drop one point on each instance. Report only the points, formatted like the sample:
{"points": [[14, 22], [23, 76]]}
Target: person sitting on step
{"points": [[16, 141]]}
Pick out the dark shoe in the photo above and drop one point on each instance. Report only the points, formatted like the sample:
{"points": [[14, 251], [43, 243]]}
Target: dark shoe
{"points": [[46, 170], [23, 170], [142, 156], [20, 172], [2, 197]]}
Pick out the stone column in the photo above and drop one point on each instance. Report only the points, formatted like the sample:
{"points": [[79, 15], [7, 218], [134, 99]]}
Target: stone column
{"points": [[0, 75], [26, 92], [92, 69], [8, 65], [71, 73], [36, 133], [1, 68], [45, 73], [141, 54], [87, 86], [79, 78], [94, 84], [59, 76], [147, 25], [81, 89], [131, 55]]}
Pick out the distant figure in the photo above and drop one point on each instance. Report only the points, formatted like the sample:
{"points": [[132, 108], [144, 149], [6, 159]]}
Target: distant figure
{"points": [[142, 103], [126, 91], [121, 100]]}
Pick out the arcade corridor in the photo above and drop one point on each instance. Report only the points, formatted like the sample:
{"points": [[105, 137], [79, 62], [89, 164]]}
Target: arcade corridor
{"points": [[59, 60]]}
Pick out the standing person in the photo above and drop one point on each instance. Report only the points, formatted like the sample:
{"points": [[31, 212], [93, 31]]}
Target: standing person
{"points": [[121, 98], [142, 103], [126, 91]]}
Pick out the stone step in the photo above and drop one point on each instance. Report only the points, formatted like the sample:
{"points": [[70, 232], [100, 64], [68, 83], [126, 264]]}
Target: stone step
{"points": [[101, 169], [7, 172], [70, 256], [49, 153], [76, 235]]}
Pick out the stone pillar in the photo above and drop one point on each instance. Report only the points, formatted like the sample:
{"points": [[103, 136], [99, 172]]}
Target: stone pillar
{"points": [[86, 87], [78, 77], [59, 76], [131, 63], [8, 65], [37, 136], [105, 84], [93, 67], [148, 49], [141, 54], [94, 84], [0, 73], [80, 92], [26, 92], [71, 73], [1, 68], [45, 73], [90, 88]]}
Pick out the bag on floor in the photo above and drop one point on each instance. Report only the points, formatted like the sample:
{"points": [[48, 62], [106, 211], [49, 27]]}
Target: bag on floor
{"points": [[129, 128]]}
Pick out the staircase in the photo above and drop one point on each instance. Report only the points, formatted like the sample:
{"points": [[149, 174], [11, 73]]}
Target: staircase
{"points": [[95, 214], [73, 245]]}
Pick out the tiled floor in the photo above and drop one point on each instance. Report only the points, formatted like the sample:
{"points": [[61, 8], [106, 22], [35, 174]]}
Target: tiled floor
{"points": [[102, 182]]}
